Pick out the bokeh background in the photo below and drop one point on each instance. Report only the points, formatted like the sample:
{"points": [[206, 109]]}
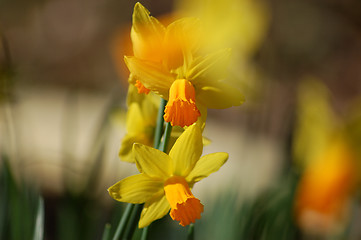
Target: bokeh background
{"points": [[62, 103]]}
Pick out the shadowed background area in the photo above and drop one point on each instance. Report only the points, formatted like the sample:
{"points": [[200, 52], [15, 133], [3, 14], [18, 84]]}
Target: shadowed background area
{"points": [[63, 86]]}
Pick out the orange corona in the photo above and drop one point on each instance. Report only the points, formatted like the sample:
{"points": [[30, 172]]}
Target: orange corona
{"points": [[181, 109], [185, 208], [141, 88]]}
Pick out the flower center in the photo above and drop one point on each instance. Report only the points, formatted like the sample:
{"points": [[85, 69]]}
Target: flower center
{"points": [[184, 206], [181, 109], [141, 88]]}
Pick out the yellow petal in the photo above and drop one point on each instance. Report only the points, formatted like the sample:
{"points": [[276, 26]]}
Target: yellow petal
{"points": [[207, 74], [219, 95], [125, 151], [154, 209], [135, 119], [187, 150], [206, 165], [150, 107], [152, 75], [147, 34], [209, 68], [135, 189], [152, 162], [181, 38]]}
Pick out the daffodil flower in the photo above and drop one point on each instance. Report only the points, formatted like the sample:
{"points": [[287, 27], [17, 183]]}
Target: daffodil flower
{"points": [[167, 61], [165, 181], [326, 186], [140, 122]]}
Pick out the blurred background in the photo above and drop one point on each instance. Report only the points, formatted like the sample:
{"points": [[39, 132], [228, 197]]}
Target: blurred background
{"points": [[294, 145]]}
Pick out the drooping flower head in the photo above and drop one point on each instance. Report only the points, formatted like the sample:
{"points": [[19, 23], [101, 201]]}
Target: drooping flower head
{"points": [[165, 181], [169, 62]]}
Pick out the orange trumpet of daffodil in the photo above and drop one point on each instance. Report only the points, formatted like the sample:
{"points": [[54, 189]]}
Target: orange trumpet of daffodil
{"points": [[168, 61], [165, 181]]}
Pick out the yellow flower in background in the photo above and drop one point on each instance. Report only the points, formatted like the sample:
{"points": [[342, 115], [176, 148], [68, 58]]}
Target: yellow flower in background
{"points": [[140, 122], [327, 159], [316, 121], [239, 24], [166, 61], [165, 181], [326, 187]]}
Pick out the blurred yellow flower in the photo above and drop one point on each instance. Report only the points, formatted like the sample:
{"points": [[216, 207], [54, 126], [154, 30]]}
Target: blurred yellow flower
{"points": [[140, 122], [316, 121], [166, 61], [165, 180], [327, 159], [239, 24], [325, 188]]}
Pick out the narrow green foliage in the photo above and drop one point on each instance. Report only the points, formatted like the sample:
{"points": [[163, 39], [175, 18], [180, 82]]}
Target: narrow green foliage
{"points": [[18, 204], [145, 233], [160, 123], [133, 222], [39, 223], [106, 233], [167, 132], [269, 216], [190, 235], [123, 221]]}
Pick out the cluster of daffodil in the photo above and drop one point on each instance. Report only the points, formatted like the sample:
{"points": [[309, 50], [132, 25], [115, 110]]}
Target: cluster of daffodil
{"points": [[169, 62]]}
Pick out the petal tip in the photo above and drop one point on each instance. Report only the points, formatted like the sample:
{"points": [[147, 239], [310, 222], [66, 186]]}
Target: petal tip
{"points": [[139, 7]]}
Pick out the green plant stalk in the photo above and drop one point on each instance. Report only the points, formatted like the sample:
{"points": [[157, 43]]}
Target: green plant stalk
{"points": [[106, 233], [123, 221], [160, 123], [164, 143], [190, 235], [132, 222], [144, 233], [39, 223]]}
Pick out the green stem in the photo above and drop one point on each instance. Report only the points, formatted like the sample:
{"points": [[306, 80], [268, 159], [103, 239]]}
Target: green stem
{"points": [[164, 143], [190, 232], [123, 221], [132, 222], [106, 233], [160, 123], [39, 224], [144, 233]]}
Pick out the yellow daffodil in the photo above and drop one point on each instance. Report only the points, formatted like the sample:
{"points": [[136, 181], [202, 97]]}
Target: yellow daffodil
{"points": [[165, 181], [325, 188], [327, 159], [167, 61], [140, 122]]}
